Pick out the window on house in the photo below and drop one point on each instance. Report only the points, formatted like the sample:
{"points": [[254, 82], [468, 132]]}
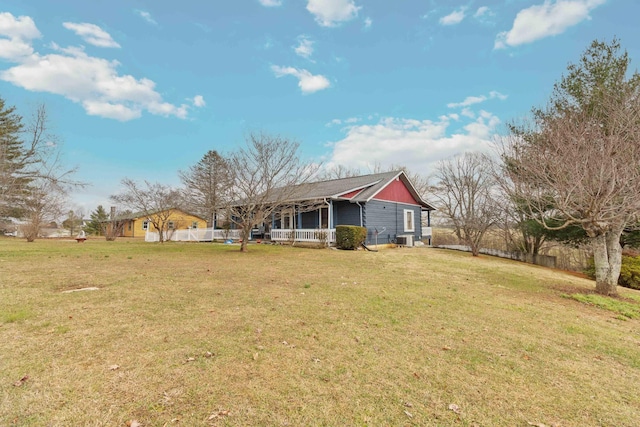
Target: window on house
{"points": [[170, 225], [194, 224], [145, 225], [409, 223]]}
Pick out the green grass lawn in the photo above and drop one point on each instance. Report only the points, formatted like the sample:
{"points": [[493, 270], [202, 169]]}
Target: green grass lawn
{"points": [[200, 334]]}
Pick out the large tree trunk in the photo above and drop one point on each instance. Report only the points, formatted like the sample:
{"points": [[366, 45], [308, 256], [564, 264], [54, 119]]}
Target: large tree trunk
{"points": [[475, 249], [607, 257], [246, 232], [473, 240]]}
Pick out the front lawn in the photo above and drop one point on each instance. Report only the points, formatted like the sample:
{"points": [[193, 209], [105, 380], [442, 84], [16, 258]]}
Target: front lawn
{"points": [[201, 334]]}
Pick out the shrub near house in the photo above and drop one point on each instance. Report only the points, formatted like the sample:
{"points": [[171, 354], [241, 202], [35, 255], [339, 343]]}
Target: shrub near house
{"points": [[350, 236]]}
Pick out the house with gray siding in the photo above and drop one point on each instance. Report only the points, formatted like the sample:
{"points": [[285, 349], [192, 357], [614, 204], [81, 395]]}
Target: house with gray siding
{"points": [[386, 204]]}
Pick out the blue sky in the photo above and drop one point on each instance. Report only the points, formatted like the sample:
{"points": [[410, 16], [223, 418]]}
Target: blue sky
{"points": [[142, 88]]}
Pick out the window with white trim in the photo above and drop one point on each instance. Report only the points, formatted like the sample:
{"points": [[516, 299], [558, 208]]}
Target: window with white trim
{"points": [[194, 224], [145, 225], [171, 225], [409, 220]]}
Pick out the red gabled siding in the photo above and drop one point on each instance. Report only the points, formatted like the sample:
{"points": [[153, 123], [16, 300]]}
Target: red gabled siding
{"points": [[396, 191], [351, 194]]}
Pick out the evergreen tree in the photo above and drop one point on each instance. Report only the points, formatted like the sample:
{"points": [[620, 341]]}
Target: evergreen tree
{"points": [[98, 218], [13, 181], [207, 185]]}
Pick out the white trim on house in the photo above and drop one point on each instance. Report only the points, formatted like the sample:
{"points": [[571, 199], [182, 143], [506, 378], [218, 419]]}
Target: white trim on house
{"points": [[409, 219]]}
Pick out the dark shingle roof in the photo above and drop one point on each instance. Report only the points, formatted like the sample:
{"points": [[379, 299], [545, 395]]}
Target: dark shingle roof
{"points": [[369, 184]]}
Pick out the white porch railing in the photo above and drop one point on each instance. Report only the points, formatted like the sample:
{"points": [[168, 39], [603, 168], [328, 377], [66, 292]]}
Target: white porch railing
{"points": [[304, 235], [194, 235], [277, 235]]}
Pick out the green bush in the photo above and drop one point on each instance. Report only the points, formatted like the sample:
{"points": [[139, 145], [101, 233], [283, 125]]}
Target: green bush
{"points": [[350, 236], [629, 271]]}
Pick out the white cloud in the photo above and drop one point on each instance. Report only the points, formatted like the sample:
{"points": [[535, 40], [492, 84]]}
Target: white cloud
{"points": [[270, 3], [110, 110], [417, 144], [22, 27], [454, 17], [146, 16], [368, 22], [495, 94], [329, 13], [198, 101], [89, 81], [548, 19], [471, 100], [350, 120], [468, 113], [482, 10], [307, 82], [92, 34], [304, 47], [16, 35], [484, 15]]}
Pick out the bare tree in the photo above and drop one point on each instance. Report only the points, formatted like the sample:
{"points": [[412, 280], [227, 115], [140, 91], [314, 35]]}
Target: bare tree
{"points": [[338, 172], [42, 204], [155, 201], [111, 227], [577, 164], [466, 195], [207, 185], [267, 176], [28, 153], [73, 222]]}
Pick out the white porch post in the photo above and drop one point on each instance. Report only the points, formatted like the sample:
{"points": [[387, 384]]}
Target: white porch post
{"points": [[330, 220]]}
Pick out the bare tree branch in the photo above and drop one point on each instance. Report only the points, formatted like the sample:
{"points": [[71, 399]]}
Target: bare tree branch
{"points": [[466, 192], [267, 176], [154, 201]]}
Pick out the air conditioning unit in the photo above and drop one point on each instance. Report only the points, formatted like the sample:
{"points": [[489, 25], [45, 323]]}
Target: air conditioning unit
{"points": [[406, 240]]}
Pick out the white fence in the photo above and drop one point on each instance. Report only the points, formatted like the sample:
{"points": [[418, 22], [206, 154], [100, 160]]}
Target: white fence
{"points": [[194, 235], [544, 260], [327, 235]]}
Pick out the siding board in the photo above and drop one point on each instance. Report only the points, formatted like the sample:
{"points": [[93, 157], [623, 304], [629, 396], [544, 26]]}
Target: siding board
{"points": [[346, 213], [382, 214]]}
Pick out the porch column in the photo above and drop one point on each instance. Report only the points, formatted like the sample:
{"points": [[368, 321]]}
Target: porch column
{"points": [[331, 225], [299, 215]]}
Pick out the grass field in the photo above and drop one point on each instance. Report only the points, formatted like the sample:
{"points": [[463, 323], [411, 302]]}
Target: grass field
{"points": [[201, 334]]}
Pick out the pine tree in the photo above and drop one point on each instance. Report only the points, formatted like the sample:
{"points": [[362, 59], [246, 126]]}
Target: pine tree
{"points": [[98, 218], [13, 182]]}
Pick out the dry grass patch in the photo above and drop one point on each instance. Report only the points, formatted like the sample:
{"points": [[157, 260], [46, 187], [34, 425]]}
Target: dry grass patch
{"points": [[200, 334]]}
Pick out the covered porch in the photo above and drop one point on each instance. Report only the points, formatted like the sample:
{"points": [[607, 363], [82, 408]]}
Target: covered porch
{"points": [[305, 222]]}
